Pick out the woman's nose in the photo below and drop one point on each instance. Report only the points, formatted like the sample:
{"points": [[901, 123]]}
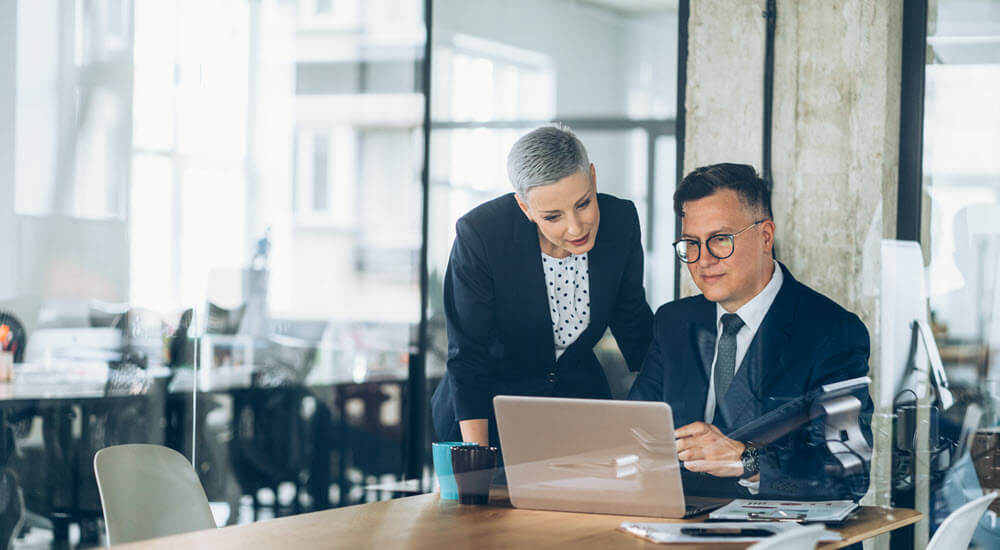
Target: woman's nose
{"points": [[574, 226]]}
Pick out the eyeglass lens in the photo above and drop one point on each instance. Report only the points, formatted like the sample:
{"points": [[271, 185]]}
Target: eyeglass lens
{"points": [[720, 246]]}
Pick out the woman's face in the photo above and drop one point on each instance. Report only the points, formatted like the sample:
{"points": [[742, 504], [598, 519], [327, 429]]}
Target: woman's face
{"points": [[566, 214]]}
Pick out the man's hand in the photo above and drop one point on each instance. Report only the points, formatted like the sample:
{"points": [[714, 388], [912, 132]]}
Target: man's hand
{"points": [[703, 448]]}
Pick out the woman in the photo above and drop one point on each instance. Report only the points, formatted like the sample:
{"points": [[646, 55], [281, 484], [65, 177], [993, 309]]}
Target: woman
{"points": [[531, 286]]}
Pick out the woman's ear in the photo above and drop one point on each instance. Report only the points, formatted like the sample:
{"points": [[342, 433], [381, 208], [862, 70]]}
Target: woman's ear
{"points": [[593, 177], [524, 207]]}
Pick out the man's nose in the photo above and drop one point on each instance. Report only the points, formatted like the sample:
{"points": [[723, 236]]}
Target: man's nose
{"points": [[706, 258]]}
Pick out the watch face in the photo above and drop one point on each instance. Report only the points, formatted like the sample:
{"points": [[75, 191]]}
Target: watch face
{"points": [[749, 460]]}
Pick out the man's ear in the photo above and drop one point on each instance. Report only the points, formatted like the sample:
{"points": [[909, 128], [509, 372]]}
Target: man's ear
{"points": [[522, 206], [767, 229]]}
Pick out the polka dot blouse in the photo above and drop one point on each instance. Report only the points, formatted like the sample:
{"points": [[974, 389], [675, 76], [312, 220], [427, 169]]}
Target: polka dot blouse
{"points": [[567, 281]]}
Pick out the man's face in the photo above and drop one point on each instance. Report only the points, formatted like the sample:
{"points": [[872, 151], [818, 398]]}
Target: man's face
{"points": [[733, 281], [566, 214]]}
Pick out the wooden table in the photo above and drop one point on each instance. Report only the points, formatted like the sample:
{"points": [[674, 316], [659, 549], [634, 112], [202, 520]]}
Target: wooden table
{"points": [[425, 521]]}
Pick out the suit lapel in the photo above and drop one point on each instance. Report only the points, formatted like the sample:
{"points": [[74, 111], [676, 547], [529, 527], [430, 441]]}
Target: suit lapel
{"points": [[527, 267], [703, 331], [600, 263], [776, 331]]}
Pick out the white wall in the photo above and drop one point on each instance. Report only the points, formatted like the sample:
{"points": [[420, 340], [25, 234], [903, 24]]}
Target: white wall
{"points": [[8, 112]]}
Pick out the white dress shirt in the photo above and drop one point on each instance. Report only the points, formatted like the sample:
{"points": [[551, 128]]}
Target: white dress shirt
{"points": [[752, 313]]}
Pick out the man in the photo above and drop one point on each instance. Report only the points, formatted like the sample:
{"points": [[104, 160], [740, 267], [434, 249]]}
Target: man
{"points": [[754, 338]]}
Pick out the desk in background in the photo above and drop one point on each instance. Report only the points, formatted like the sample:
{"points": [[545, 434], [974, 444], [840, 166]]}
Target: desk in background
{"points": [[425, 521], [82, 410]]}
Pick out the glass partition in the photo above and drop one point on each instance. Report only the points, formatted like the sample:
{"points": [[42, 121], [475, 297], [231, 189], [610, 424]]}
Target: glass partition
{"points": [[214, 244], [961, 242]]}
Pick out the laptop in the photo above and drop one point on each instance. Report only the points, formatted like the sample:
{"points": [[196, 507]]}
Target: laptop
{"points": [[593, 455]]}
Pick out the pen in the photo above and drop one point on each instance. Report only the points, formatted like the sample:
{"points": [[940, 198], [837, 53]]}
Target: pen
{"points": [[725, 532]]}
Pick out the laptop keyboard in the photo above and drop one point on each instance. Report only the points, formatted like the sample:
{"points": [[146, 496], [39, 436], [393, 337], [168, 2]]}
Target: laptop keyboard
{"points": [[694, 506]]}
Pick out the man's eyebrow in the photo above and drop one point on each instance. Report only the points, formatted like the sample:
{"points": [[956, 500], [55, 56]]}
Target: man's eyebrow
{"points": [[724, 230]]}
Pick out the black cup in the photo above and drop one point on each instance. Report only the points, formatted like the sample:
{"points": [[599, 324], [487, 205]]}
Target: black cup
{"points": [[473, 468]]}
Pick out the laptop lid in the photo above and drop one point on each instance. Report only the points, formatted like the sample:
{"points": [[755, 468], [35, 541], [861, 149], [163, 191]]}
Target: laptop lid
{"points": [[590, 455]]}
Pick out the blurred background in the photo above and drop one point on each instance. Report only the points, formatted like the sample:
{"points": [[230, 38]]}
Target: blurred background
{"points": [[226, 223]]}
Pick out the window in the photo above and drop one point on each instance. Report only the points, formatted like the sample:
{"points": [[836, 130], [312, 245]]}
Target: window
{"points": [[328, 178]]}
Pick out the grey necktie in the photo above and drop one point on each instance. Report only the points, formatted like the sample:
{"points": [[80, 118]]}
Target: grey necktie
{"points": [[725, 364]]}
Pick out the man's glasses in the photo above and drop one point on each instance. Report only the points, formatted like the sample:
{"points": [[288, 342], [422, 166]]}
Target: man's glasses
{"points": [[721, 245]]}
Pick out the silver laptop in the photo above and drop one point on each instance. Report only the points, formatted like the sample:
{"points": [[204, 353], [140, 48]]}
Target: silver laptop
{"points": [[593, 455]]}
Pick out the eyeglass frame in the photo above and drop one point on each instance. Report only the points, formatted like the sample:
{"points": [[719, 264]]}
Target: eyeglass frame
{"points": [[732, 240]]}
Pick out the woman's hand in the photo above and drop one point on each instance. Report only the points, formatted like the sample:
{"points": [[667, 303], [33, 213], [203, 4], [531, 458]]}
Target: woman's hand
{"points": [[477, 430]]}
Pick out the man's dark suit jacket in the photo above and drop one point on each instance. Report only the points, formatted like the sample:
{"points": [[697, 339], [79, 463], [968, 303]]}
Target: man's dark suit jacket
{"points": [[806, 340], [496, 307]]}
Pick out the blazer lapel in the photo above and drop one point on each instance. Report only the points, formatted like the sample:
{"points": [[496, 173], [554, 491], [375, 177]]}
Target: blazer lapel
{"points": [[528, 268], [776, 333], [600, 265], [703, 330]]}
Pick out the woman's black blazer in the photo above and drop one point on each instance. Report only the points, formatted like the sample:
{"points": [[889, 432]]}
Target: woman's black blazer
{"points": [[497, 312]]}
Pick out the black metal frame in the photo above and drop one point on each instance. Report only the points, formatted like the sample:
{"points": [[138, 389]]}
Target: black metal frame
{"points": [[770, 16], [910, 180], [683, 14], [911, 120], [416, 387]]}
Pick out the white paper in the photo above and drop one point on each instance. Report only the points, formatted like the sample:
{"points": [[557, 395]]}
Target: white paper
{"points": [[671, 532], [745, 509]]}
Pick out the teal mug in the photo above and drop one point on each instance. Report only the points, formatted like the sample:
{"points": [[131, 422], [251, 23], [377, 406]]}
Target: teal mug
{"points": [[441, 452]]}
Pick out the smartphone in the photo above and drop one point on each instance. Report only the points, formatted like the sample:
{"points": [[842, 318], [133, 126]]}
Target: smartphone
{"points": [[725, 532]]}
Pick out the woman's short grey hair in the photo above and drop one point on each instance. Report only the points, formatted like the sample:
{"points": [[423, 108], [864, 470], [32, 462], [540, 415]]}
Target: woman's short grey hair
{"points": [[545, 155]]}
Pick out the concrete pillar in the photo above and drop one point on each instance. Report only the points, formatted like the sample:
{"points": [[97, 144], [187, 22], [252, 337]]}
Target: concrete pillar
{"points": [[725, 83], [835, 137]]}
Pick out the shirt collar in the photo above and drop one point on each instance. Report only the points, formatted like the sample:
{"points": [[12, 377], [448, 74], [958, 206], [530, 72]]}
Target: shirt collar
{"points": [[753, 312]]}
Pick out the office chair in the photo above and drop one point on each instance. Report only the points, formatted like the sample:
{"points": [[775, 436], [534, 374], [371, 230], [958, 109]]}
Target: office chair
{"points": [[797, 539], [957, 529], [149, 491], [12, 512]]}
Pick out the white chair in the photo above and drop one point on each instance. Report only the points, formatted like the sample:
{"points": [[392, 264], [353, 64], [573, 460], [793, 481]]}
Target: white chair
{"points": [[957, 529], [796, 539], [149, 491]]}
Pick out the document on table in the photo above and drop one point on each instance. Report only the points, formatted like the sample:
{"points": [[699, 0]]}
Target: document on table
{"points": [[663, 533], [830, 511]]}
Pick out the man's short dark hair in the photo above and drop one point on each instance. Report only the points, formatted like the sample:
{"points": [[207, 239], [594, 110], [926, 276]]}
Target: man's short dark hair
{"points": [[754, 192]]}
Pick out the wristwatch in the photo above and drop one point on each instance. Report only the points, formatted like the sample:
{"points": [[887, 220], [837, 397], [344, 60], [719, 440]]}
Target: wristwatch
{"points": [[749, 459]]}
